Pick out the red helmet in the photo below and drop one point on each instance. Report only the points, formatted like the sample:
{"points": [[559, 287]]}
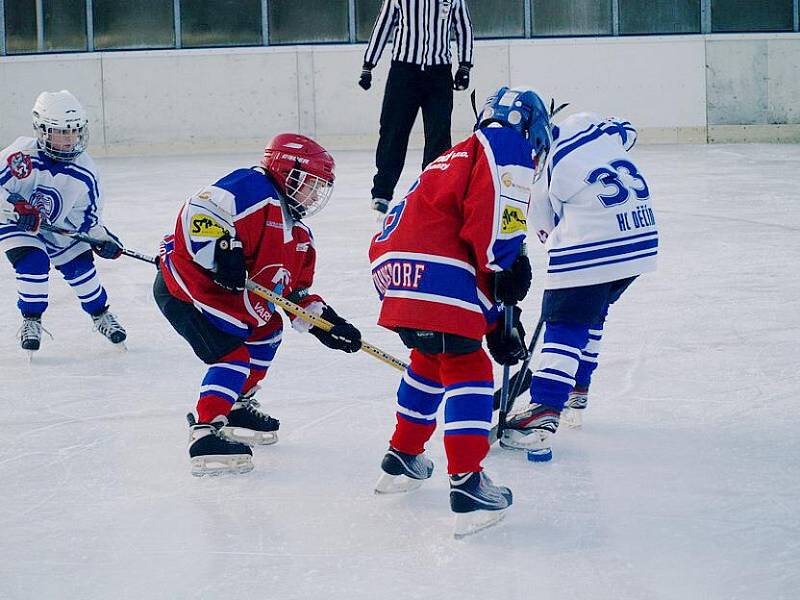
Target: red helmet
{"points": [[302, 169]]}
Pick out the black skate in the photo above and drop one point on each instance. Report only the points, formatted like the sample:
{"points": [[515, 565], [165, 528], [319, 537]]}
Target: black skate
{"points": [[248, 425], [211, 454], [30, 334], [403, 472], [531, 430], [108, 326], [477, 502]]}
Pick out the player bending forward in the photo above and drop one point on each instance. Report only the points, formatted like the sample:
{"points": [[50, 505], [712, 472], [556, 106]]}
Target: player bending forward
{"points": [[52, 178], [247, 224], [600, 233], [448, 253]]}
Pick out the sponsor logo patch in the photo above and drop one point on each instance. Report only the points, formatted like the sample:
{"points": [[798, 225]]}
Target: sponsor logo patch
{"points": [[205, 226], [20, 165], [514, 220]]}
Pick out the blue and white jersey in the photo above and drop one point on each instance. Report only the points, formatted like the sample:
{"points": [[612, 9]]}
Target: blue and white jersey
{"points": [[593, 209], [67, 194]]}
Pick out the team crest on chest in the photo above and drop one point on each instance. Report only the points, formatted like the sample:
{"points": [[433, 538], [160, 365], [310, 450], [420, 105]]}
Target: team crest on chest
{"points": [[47, 201], [20, 165]]}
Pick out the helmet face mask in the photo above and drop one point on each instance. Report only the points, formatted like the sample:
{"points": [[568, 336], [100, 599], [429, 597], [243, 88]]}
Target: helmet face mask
{"points": [[61, 126], [521, 109], [303, 171], [309, 193]]}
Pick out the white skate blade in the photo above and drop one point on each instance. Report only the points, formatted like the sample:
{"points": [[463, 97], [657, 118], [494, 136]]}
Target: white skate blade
{"points": [[219, 464], [475, 521], [396, 484], [572, 417], [251, 437]]}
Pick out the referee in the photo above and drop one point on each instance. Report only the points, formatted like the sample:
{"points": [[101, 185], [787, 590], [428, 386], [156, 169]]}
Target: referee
{"points": [[420, 77]]}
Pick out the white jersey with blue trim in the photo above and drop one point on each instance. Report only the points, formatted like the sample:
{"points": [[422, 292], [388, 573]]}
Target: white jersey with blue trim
{"points": [[67, 194], [594, 211]]}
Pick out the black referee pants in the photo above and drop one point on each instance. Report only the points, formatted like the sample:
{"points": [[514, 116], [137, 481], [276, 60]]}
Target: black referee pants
{"points": [[408, 89]]}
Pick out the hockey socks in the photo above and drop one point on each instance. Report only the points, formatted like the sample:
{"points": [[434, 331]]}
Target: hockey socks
{"points": [[223, 384]]}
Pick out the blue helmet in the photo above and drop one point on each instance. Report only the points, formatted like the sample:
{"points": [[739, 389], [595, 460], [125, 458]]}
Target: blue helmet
{"points": [[522, 110]]}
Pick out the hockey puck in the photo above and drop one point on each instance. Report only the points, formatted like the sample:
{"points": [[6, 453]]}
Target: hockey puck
{"points": [[540, 455]]}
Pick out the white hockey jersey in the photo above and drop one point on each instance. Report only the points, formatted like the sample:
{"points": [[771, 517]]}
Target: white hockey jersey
{"points": [[67, 194], [593, 208]]}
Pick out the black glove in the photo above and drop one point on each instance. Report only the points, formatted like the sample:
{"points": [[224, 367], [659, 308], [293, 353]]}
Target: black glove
{"points": [[512, 285], [28, 216], [229, 256], [380, 204], [365, 81], [108, 245], [461, 79], [508, 350], [343, 336]]}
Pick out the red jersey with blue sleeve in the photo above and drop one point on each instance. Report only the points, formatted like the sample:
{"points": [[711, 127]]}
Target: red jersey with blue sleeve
{"points": [[279, 251], [462, 220]]}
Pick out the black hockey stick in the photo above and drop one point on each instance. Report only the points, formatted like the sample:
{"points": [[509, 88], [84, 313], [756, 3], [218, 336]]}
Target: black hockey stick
{"points": [[521, 381], [95, 242]]}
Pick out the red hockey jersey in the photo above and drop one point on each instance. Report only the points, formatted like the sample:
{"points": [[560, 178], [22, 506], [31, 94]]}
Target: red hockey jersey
{"points": [[463, 219], [279, 251]]}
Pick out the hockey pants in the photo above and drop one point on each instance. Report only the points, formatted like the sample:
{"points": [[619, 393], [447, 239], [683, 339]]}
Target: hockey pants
{"points": [[466, 384]]}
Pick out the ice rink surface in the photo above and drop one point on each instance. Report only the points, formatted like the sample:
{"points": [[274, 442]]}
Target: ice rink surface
{"points": [[683, 484]]}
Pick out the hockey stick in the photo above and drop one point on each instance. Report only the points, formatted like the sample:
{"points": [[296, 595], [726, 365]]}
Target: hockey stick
{"points": [[318, 321], [508, 326], [519, 384], [251, 285]]}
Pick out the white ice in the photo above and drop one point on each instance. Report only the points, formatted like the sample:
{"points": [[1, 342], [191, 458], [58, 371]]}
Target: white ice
{"points": [[683, 484]]}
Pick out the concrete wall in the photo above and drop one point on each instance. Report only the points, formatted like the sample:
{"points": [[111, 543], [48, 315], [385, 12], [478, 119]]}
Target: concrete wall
{"points": [[674, 88]]}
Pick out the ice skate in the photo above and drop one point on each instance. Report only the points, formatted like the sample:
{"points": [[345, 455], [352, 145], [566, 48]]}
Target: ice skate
{"points": [[572, 416], [211, 454], [108, 326], [403, 472], [531, 430], [248, 425], [477, 502], [30, 334]]}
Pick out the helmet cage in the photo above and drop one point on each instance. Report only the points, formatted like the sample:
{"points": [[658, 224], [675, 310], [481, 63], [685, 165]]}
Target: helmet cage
{"points": [[307, 192], [62, 144]]}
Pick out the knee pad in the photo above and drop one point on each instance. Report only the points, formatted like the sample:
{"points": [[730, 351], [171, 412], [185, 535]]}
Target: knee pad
{"points": [[15, 255], [77, 266]]}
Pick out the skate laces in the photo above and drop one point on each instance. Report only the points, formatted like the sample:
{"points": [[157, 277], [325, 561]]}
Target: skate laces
{"points": [[106, 323], [32, 329]]}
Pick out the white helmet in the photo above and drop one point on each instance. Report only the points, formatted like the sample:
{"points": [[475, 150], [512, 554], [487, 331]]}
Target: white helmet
{"points": [[61, 126]]}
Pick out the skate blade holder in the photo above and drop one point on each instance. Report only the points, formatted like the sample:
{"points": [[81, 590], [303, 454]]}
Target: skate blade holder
{"points": [[249, 437], [470, 523], [218, 465], [396, 484]]}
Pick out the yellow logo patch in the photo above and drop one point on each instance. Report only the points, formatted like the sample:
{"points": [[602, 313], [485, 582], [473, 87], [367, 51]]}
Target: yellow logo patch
{"points": [[514, 220], [205, 226]]}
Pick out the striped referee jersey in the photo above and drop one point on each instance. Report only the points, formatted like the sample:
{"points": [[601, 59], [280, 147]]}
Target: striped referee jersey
{"points": [[421, 32]]}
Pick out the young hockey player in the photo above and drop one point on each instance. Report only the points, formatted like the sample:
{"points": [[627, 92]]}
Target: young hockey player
{"points": [[448, 253], [246, 225], [52, 178], [597, 220]]}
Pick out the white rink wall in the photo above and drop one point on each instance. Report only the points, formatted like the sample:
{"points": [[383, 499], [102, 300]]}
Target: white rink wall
{"points": [[674, 88]]}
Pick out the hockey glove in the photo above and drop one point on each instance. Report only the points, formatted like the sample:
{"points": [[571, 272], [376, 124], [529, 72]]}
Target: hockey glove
{"points": [[380, 204], [229, 256], [508, 350], [512, 285], [28, 216], [343, 336], [108, 245], [365, 81], [461, 79]]}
